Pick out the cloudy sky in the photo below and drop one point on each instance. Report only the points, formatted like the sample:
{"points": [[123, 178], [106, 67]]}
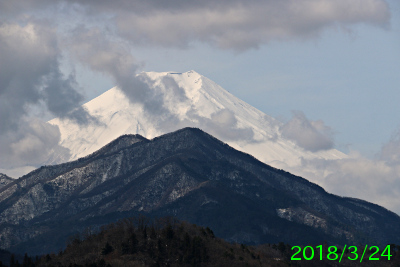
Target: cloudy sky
{"points": [[327, 63]]}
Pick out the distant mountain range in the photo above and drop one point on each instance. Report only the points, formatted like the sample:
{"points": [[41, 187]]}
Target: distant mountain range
{"points": [[193, 176], [178, 100]]}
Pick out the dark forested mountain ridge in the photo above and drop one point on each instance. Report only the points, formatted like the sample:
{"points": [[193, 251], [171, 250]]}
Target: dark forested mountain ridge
{"points": [[193, 176]]}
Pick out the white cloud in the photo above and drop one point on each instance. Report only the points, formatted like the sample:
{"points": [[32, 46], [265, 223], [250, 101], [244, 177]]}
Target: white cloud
{"points": [[224, 125], [310, 135], [375, 180], [31, 144], [391, 150]]}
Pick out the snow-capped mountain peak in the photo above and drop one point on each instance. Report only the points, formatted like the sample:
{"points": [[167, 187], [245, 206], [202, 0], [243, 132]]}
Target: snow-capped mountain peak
{"points": [[185, 99]]}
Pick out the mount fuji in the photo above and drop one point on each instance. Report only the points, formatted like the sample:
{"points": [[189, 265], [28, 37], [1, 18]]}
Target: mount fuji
{"points": [[184, 100]]}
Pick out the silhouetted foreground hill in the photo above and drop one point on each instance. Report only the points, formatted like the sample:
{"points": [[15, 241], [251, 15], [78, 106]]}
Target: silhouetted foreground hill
{"points": [[194, 177], [162, 242], [168, 242]]}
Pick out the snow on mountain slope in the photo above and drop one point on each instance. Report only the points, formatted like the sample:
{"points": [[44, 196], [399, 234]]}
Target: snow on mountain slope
{"points": [[188, 99]]}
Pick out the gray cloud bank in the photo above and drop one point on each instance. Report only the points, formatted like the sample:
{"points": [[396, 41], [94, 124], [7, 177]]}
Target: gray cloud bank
{"points": [[236, 24], [30, 75], [94, 49], [232, 24]]}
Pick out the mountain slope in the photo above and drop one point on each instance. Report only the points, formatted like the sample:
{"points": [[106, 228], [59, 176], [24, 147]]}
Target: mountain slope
{"points": [[193, 176], [4, 180], [186, 99]]}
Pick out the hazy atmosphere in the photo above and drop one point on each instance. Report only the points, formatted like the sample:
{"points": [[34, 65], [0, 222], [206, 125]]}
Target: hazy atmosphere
{"points": [[328, 69]]}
